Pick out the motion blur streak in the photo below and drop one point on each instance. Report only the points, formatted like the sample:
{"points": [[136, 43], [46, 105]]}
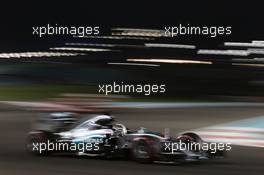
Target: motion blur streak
{"points": [[256, 51], [117, 37], [138, 32], [248, 65], [134, 64], [182, 46], [244, 44], [258, 41], [90, 44], [246, 132], [224, 52], [177, 61], [80, 49], [36, 54]]}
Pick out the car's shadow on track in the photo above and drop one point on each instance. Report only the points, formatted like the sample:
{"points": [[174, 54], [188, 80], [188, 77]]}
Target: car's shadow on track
{"points": [[131, 161]]}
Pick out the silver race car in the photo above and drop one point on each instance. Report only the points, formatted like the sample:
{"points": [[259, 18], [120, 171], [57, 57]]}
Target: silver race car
{"points": [[100, 135]]}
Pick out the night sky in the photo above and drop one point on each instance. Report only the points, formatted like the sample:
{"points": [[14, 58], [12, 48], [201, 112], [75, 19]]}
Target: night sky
{"points": [[17, 18]]}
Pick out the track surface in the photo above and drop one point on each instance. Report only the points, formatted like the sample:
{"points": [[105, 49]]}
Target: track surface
{"points": [[14, 126]]}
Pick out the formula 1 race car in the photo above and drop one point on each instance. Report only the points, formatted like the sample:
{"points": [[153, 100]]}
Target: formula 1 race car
{"points": [[101, 136]]}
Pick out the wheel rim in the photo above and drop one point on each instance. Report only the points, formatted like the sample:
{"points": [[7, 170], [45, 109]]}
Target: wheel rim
{"points": [[142, 151]]}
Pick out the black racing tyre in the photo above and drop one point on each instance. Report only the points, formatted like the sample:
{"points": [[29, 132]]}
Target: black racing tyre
{"points": [[33, 143], [196, 138], [142, 152]]}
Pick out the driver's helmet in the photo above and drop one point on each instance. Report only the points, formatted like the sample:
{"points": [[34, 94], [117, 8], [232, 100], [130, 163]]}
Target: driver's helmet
{"points": [[105, 121]]}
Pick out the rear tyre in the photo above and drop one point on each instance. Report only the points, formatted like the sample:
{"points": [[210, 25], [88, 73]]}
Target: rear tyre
{"points": [[142, 152], [34, 142]]}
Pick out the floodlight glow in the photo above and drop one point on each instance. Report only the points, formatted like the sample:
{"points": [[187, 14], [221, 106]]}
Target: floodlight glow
{"points": [[36, 54], [176, 61], [241, 44], [181, 46], [80, 49], [134, 64], [224, 52]]}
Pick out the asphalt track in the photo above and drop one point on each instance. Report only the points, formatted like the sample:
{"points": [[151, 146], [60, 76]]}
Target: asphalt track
{"points": [[14, 160]]}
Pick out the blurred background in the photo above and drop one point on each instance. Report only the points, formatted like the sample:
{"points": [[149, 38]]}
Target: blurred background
{"points": [[226, 75], [210, 82]]}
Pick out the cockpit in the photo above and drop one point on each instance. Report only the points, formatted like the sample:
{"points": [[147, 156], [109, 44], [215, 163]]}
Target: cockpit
{"points": [[98, 122], [102, 122]]}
